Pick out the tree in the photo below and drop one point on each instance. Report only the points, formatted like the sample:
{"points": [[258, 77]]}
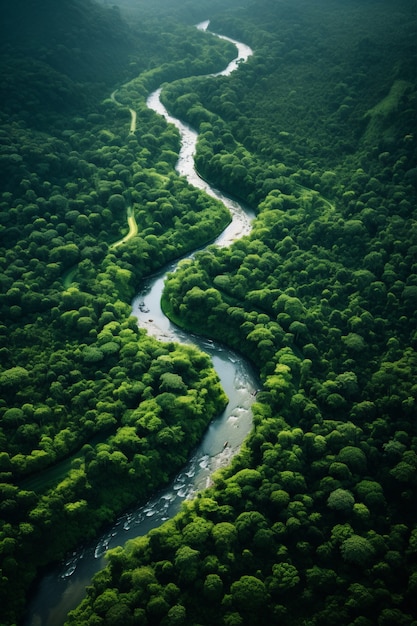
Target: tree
{"points": [[213, 588], [67, 254], [197, 532], [105, 601], [394, 616], [284, 577], [280, 499], [371, 494], [116, 203], [225, 536], [172, 382], [357, 550], [293, 482], [176, 616], [354, 342], [249, 594], [13, 417], [14, 378], [321, 579], [313, 269], [119, 615], [279, 384], [156, 608], [354, 458], [341, 500], [247, 523], [187, 563]]}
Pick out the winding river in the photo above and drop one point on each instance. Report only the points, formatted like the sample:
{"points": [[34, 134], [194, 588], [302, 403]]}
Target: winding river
{"points": [[63, 588]]}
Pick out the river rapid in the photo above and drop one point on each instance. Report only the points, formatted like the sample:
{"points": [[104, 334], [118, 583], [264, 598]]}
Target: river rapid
{"points": [[63, 588]]}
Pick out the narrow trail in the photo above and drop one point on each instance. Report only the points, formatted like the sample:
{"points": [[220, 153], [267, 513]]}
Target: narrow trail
{"points": [[133, 114], [62, 589], [133, 229]]}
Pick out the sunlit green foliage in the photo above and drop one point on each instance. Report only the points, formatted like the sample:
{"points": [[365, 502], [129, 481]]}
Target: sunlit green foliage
{"points": [[320, 298], [314, 518], [88, 402]]}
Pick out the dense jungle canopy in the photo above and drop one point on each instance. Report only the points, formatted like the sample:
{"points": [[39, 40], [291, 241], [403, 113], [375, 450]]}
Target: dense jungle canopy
{"points": [[314, 522]]}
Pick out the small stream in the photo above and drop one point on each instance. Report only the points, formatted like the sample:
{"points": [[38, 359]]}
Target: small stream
{"points": [[63, 588]]}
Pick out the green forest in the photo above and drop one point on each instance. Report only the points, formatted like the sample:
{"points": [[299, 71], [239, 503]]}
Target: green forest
{"points": [[314, 521]]}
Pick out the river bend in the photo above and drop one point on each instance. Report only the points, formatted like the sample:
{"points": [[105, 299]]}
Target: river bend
{"points": [[63, 588]]}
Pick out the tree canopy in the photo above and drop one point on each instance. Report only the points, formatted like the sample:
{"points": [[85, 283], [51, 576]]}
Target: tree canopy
{"points": [[314, 519]]}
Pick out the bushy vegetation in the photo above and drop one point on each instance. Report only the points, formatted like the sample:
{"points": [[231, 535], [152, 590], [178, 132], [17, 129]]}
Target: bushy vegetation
{"points": [[314, 522], [88, 401]]}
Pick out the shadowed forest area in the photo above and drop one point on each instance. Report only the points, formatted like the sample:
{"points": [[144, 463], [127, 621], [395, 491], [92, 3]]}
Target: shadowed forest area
{"points": [[314, 522]]}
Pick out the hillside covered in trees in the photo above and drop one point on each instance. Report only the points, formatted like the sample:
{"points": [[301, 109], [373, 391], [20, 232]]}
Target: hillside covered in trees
{"points": [[315, 520], [88, 400]]}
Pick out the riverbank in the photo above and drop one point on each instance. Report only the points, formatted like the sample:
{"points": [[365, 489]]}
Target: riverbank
{"points": [[236, 420]]}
